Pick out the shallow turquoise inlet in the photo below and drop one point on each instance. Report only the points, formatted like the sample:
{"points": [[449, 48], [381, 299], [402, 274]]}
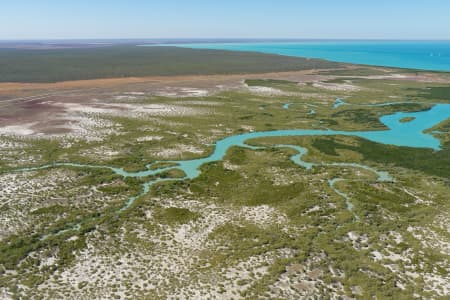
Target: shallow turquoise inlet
{"points": [[409, 134]]}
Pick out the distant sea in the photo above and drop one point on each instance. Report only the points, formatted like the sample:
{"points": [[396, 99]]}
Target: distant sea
{"points": [[425, 55]]}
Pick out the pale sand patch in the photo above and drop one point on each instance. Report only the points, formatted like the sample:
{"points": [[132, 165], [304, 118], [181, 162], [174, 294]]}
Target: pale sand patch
{"points": [[178, 150], [420, 77], [430, 239], [227, 165], [136, 93], [394, 257], [269, 91], [390, 76], [149, 138], [313, 209], [248, 128], [125, 97], [89, 127], [182, 92], [302, 281], [121, 109], [396, 237], [100, 152], [442, 221], [106, 270], [234, 279], [18, 130], [194, 92], [194, 235], [262, 215], [265, 90], [5, 294], [22, 193], [358, 241], [417, 198], [336, 86], [89, 122], [129, 95], [438, 284], [10, 145]]}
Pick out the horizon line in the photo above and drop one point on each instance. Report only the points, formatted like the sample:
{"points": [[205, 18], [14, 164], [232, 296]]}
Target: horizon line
{"points": [[219, 39]]}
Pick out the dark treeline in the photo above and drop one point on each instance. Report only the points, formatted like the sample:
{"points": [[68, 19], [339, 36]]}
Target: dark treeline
{"points": [[21, 65]]}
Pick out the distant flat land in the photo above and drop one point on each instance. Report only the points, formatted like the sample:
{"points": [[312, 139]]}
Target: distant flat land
{"points": [[64, 64]]}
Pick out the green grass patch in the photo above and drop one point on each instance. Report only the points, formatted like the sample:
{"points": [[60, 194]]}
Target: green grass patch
{"points": [[175, 215], [436, 93], [426, 160], [354, 72], [407, 119]]}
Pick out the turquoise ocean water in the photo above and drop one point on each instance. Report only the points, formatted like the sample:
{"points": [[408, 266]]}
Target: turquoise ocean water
{"points": [[426, 55]]}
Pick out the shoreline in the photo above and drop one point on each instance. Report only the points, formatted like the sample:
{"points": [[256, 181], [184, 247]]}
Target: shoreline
{"points": [[331, 56]]}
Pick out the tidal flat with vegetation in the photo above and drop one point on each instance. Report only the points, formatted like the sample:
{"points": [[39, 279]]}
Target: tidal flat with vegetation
{"points": [[253, 225]]}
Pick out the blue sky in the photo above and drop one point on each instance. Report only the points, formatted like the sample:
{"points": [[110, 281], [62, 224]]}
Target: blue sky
{"points": [[59, 19]]}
